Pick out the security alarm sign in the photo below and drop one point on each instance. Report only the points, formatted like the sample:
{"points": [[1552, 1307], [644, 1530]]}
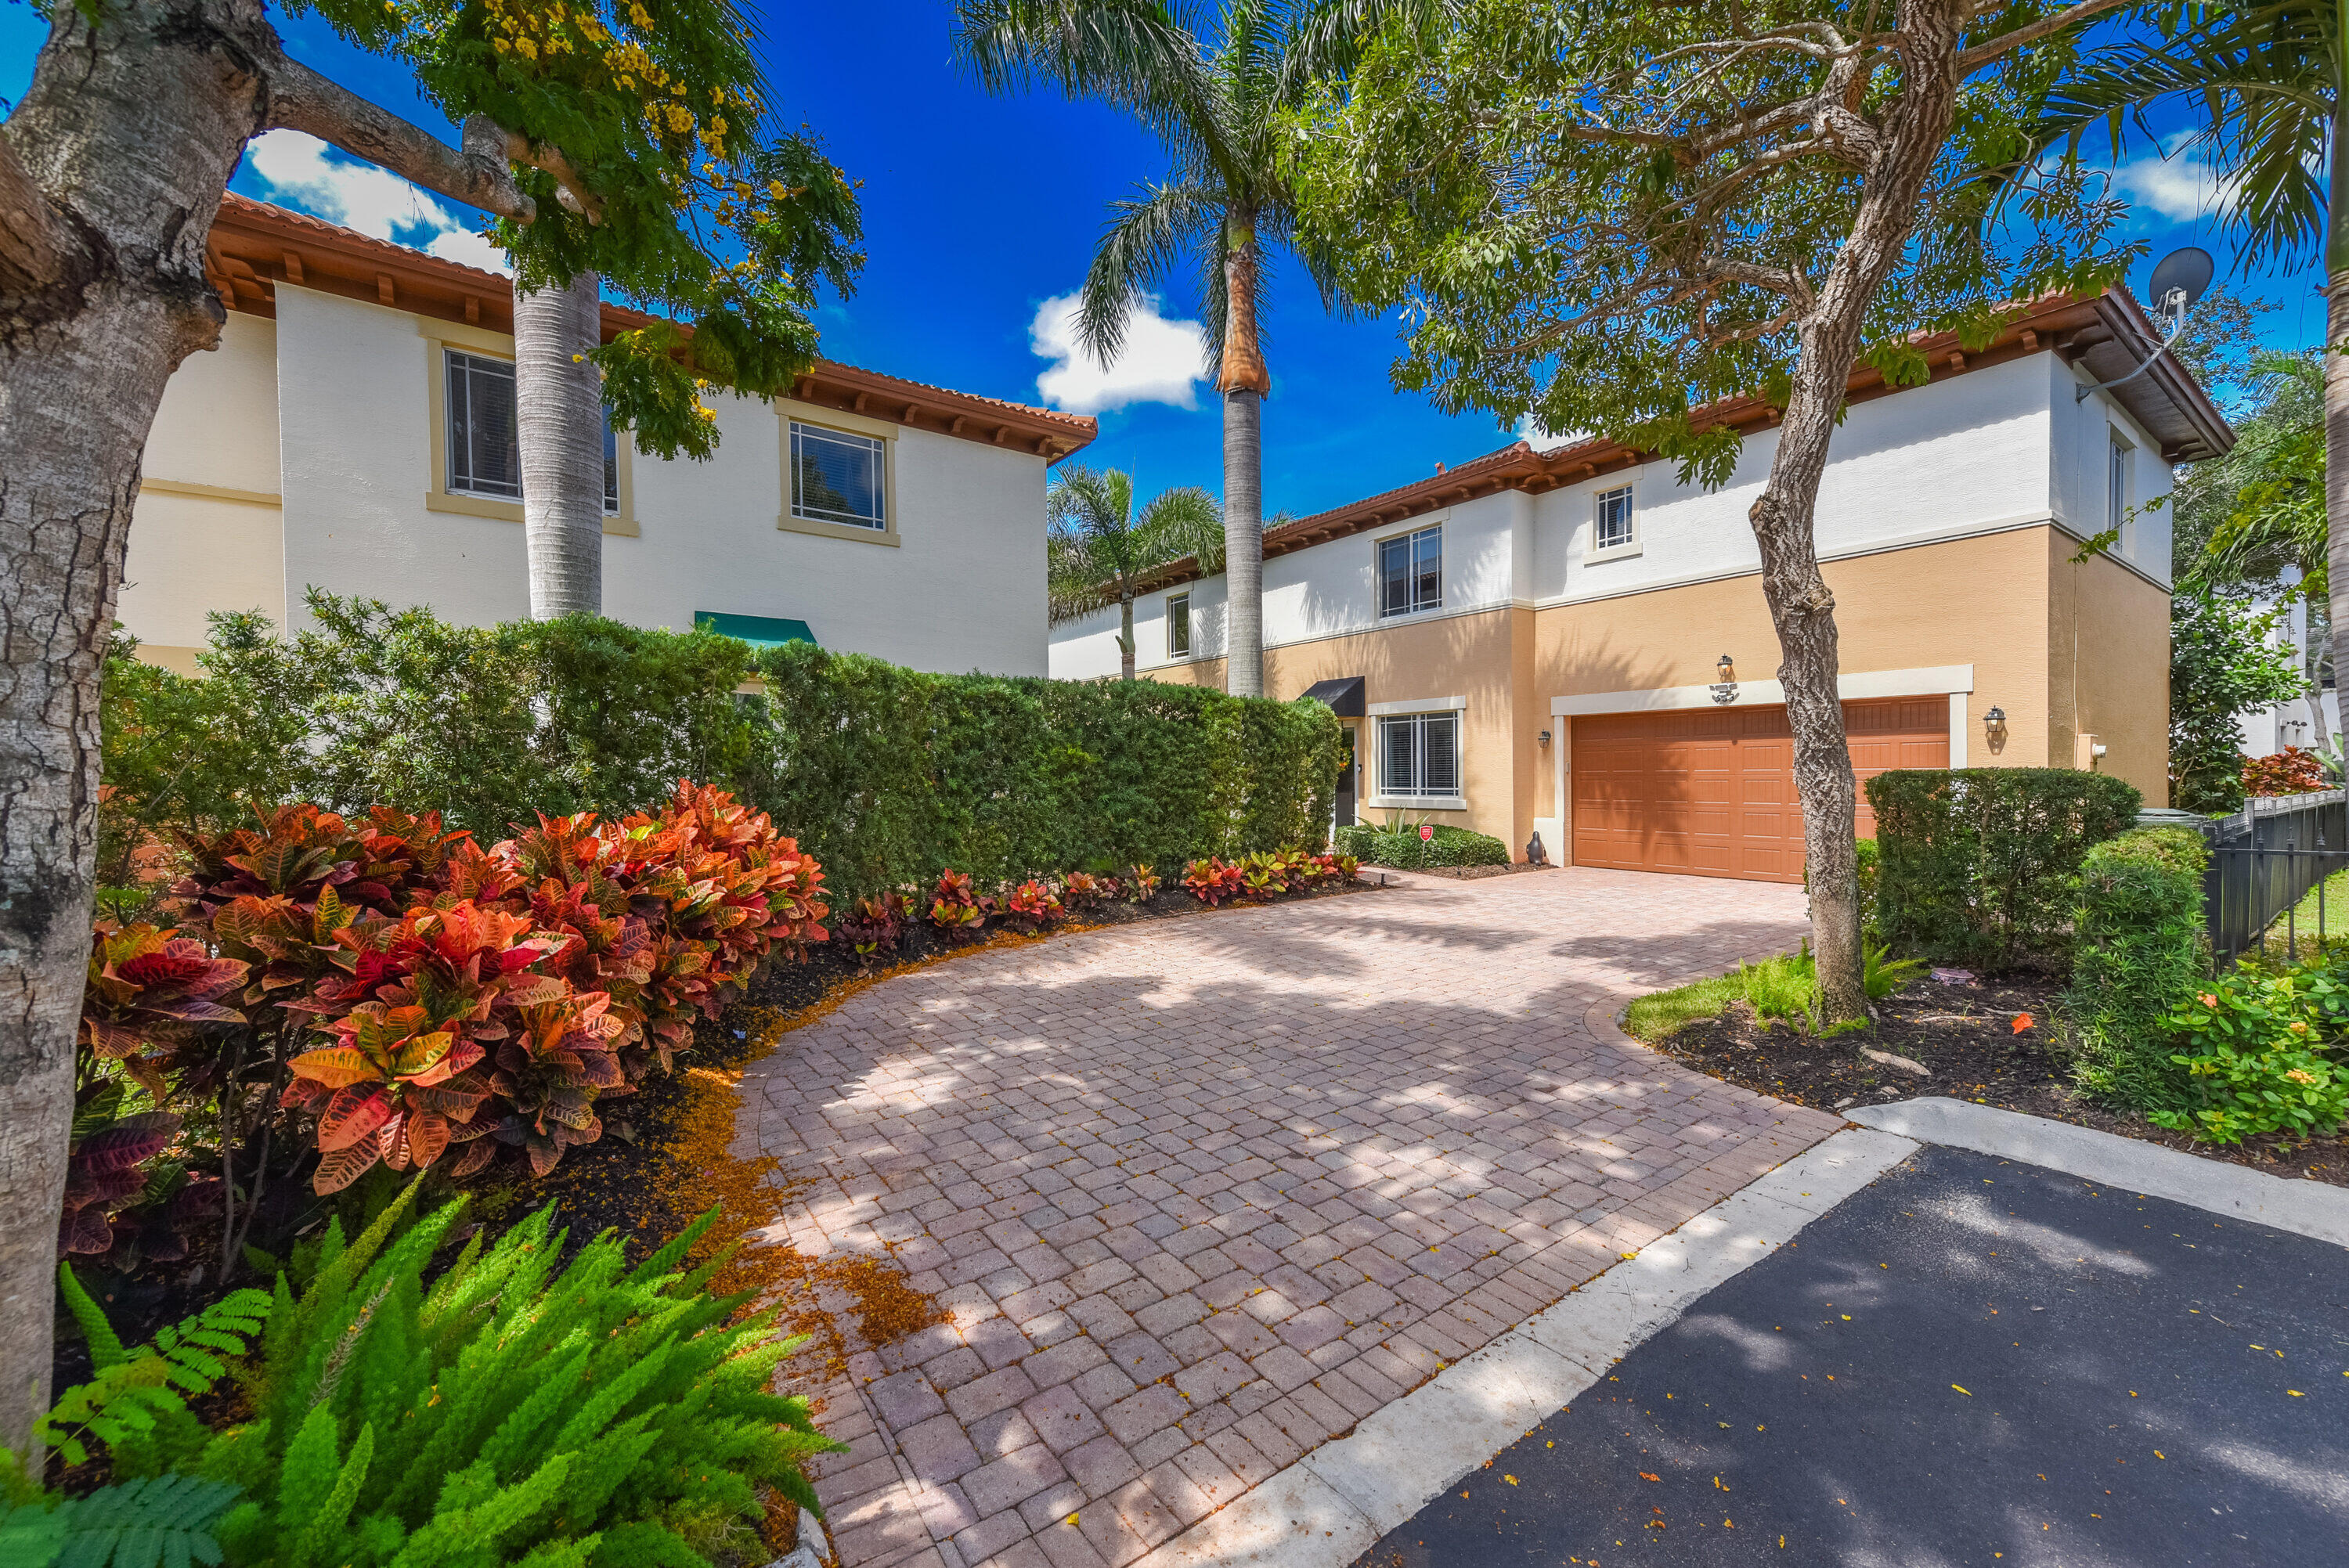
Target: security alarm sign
{"points": [[1426, 831]]}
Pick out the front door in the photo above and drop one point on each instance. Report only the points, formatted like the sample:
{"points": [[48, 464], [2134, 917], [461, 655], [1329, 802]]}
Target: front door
{"points": [[1346, 779]]}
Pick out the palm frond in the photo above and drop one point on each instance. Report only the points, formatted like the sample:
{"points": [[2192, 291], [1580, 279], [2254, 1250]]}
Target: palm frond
{"points": [[1185, 521], [1135, 54], [1141, 245]]}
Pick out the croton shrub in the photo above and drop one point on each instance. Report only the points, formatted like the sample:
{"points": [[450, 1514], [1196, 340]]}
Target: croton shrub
{"points": [[388, 992], [2294, 770]]}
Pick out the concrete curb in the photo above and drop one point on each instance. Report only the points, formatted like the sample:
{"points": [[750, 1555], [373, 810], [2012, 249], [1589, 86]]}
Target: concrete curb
{"points": [[1332, 1505], [2314, 1209]]}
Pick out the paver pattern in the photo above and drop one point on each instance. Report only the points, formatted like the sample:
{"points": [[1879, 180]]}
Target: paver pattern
{"points": [[1198, 1195]]}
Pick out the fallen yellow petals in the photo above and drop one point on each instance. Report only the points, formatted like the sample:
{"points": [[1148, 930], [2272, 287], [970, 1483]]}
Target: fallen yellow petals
{"points": [[1969, 1393]]}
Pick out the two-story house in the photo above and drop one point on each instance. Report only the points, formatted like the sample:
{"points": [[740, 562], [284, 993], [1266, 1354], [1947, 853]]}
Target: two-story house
{"points": [[1573, 642], [354, 432]]}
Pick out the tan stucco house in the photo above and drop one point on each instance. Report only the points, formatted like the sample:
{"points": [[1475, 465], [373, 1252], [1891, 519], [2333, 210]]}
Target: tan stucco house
{"points": [[1573, 643], [354, 432]]}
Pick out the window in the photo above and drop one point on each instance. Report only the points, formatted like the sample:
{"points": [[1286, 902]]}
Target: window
{"points": [[1411, 573], [1178, 625], [1419, 756], [1613, 528], [484, 454], [484, 440], [838, 477]]}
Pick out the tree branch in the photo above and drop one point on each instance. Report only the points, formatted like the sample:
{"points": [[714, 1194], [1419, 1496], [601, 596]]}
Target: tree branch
{"points": [[1973, 59], [34, 245], [478, 176], [572, 191]]}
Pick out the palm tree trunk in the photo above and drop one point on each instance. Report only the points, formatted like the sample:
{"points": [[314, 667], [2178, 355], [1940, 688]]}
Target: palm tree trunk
{"points": [[559, 415], [1125, 636], [1244, 381]]}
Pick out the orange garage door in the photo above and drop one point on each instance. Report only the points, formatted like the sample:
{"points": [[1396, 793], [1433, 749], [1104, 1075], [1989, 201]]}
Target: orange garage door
{"points": [[1711, 791]]}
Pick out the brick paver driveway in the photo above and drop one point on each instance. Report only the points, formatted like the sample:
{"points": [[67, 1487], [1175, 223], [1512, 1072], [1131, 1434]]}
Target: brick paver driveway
{"points": [[1201, 1193]]}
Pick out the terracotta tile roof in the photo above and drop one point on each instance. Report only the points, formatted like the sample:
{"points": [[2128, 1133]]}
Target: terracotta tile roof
{"points": [[254, 245]]}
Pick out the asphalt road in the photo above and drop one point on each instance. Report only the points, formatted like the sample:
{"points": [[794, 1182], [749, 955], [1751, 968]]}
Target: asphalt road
{"points": [[1969, 1362]]}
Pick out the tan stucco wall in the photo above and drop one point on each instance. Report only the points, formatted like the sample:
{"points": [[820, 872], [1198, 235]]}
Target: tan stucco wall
{"points": [[2108, 669], [2010, 604]]}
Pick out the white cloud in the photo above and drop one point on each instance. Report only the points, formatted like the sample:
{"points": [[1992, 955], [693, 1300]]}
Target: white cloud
{"points": [[2179, 183], [1542, 441], [304, 173], [1162, 361]]}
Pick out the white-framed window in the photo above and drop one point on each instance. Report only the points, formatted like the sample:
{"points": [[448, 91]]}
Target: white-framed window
{"points": [[1419, 756], [484, 437], [1613, 525], [2116, 486], [1178, 625], [839, 477], [1410, 572]]}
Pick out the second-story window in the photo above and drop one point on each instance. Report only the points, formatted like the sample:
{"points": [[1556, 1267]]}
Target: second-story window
{"points": [[484, 437], [1614, 528], [839, 477], [2115, 482], [1178, 625], [485, 453], [1410, 572]]}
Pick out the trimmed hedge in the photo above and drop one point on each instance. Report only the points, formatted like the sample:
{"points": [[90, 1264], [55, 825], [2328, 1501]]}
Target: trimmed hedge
{"points": [[886, 775], [891, 776], [2138, 956], [1979, 864], [1404, 850]]}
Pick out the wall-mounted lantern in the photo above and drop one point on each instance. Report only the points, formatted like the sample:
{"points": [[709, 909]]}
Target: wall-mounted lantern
{"points": [[1545, 738], [1724, 690], [1727, 667], [1995, 729]]}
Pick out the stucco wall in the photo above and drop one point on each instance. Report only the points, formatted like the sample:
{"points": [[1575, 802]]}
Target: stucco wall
{"points": [[215, 430], [2108, 670], [342, 391]]}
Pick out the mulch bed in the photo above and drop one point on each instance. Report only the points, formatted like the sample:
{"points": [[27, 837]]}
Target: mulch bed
{"points": [[1965, 1034]]}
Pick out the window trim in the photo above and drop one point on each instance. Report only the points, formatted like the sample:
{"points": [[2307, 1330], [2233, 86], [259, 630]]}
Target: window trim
{"points": [[440, 338], [1183, 653], [790, 411], [1632, 546], [1378, 570], [1375, 795], [2120, 460]]}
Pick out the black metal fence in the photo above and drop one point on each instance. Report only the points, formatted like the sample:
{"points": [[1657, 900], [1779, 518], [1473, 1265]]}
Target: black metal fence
{"points": [[2266, 861]]}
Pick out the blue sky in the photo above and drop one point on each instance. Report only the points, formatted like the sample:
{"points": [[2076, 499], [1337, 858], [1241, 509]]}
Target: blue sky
{"points": [[979, 210]]}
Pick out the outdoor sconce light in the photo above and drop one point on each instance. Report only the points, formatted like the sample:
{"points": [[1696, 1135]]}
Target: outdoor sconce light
{"points": [[1728, 669], [1545, 738], [1995, 719]]}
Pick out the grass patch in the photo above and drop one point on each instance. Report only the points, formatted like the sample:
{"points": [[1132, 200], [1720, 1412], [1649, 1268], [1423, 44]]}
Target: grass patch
{"points": [[1655, 1017], [1781, 989]]}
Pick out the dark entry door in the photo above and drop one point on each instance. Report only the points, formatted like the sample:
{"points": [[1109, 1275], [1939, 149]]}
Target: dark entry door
{"points": [[1346, 781]]}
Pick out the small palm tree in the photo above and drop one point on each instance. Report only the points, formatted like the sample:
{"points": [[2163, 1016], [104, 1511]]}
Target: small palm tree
{"points": [[1097, 550], [1215, 99], [2270, 75]]}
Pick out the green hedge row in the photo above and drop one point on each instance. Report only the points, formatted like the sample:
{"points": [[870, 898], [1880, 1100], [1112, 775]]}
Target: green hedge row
{"points": [[1403, 848], [2138, 956], [1979, 864], [885, 774]]}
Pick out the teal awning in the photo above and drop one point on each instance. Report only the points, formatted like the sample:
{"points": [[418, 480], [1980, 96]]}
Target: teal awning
{"points": [[759, 631]]}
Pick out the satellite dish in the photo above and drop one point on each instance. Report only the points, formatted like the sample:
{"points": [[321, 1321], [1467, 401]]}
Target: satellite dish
{"points": [[2185, 271]]}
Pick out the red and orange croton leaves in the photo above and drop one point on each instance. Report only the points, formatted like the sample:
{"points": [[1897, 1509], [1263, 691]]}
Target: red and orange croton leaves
{"points": [[392, 1088], [152, 988]]}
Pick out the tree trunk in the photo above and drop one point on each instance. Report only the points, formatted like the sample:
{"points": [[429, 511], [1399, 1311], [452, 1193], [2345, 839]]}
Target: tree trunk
{"points": [[1126, 637], [2336, 416], [1243, 380], [1802, 610], [122, 147], [559, 416]]}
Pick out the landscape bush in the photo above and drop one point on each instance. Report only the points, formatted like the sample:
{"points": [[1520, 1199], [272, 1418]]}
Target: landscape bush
{"points": [[2138, 948], [511, 1410], [1980, 864], [1400, 848], [2294, 770], [387, 991], [2259, 1045], [891, 774]]}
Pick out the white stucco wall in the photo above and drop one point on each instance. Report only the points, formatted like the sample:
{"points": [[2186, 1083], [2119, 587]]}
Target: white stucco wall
{"points": [[194, 554], [1969, 454], [344, 434]]}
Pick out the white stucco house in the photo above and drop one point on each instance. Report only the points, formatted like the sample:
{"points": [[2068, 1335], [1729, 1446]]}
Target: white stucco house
{"points": [[1569, 640], [354, 432]]}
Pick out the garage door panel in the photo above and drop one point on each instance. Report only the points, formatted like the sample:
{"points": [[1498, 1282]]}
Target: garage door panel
{"points": [[1712, 792]]}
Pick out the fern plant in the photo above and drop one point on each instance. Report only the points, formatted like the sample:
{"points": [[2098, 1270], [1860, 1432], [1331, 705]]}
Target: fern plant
{"points": [[137, 1404], [508, 1410], [156, 1522]]}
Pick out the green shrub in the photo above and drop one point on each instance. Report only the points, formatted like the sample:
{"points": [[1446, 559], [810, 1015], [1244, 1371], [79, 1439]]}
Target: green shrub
{"points": [[504, 1413], [891, 776], [2255, 1062], [2138, 948], [1979, 864], [887, 774], [1402, 847], [1865, 852]]}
